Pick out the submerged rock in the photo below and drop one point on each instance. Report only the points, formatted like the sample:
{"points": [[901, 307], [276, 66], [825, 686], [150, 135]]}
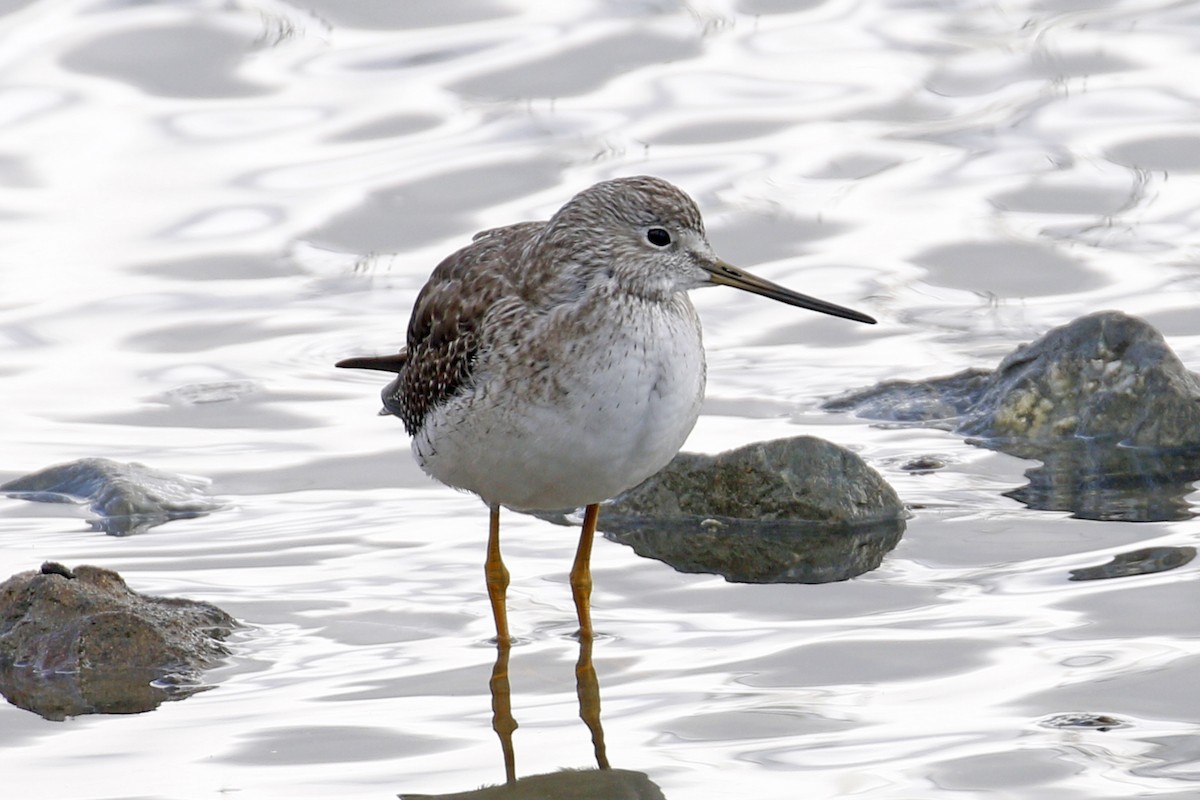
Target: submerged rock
{"points": [[82, 642], [935, 403], [127, 497], [1083, 720], [1145, 561], [798, 510], [569, 784], [1102, 401]]}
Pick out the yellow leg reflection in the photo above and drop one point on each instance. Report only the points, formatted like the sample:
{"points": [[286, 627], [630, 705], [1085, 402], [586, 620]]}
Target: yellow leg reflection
{"points": [[588, 689], [503, 722]]}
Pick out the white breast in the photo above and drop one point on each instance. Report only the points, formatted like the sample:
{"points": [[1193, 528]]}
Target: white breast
{"points": [[573, 427]]}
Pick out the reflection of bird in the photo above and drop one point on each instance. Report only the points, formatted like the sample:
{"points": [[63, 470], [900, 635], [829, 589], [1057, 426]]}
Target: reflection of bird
{"points": [[555, 364]]}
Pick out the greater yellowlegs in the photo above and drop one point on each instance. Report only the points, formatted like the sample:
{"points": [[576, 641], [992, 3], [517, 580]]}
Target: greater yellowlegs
{"points": [[554, 365]]}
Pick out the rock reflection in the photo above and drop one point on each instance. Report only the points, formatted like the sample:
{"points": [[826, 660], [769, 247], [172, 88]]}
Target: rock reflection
{"points": [[58, 695], [746, 551], [1106, 481], [602, 783]]}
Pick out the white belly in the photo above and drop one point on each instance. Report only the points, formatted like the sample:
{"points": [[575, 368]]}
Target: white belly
{"points": [[566, 437]]}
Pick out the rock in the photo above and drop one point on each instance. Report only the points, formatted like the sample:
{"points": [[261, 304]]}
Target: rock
{"points": [[936, 403], [1105, 376], [798, 510], [1102, 401], [802, 478], [128, 497], [1146, 561], [80, 642], [923, 465], [568, 784], [1084, 720]]}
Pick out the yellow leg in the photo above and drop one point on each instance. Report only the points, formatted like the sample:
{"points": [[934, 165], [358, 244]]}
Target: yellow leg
{"points": [[581, 571], [497, 579]]}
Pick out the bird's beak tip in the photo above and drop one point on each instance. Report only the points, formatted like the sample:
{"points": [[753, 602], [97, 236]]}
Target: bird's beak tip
{"points": [[725, 274]]}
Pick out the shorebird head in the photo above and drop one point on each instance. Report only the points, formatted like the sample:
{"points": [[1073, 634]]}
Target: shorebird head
{"points": [[647, 236]]}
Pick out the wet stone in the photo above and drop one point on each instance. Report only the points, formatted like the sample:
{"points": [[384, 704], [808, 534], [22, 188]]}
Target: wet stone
{"points": [[802, 478], [55, 568], [936, 403], [1103, 402], [922, 465], [126, 497], [1103, 376], [610, 784], [1084, 721], [797, 510], [1145, 561], [82, 642]]}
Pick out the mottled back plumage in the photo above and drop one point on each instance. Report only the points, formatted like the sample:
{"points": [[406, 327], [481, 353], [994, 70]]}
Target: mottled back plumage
{"points": [[444, 331]]}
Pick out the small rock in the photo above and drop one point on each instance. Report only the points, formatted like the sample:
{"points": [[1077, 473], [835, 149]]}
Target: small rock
{"points": [[935, 403], [128, 497], [567, 784], [802, 478], [1145, 561], [55, 568], [1084, 721], [1103, 376], [1102, 401], [80, 642], [798, 510], [922, 465]]}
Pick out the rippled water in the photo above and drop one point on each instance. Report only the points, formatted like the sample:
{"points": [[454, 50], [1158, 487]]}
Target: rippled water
{"points": [[205, 204]]}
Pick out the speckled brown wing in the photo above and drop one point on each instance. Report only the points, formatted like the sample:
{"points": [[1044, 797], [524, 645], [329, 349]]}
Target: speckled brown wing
{"points": [[444, 330]]}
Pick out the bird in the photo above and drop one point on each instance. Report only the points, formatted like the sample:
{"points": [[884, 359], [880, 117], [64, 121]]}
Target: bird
{"points": [[556, 364]]}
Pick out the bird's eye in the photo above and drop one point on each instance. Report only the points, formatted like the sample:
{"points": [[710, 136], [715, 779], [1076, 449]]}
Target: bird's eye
{"points": [[658, 237]]}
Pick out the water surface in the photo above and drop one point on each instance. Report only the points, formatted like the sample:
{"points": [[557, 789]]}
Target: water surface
{"points": [[205, 204]]}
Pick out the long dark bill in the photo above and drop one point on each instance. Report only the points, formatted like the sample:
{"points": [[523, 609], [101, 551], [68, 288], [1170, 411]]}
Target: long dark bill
{"points": [[728, 275], [390, 363]]}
